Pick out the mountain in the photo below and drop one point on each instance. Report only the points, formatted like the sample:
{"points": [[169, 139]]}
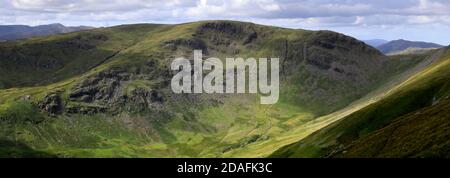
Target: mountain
{"points": [[106, 92], [410, 121], [399, 46], [14, 32], [375, 42], [411, 50]]}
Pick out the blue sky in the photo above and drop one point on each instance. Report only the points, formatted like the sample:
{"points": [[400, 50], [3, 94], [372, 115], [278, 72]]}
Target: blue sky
{"points": [[421, 20]]}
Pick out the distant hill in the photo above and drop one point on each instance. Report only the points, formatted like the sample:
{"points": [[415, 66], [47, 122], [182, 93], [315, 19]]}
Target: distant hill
{"points": [[14, 32], [397, 46], [411, 50], [375, 42]]}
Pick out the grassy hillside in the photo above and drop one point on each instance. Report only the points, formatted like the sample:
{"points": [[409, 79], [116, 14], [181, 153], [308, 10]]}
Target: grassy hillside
{"points": [[411, 121], [422, 133], [106, 92]]}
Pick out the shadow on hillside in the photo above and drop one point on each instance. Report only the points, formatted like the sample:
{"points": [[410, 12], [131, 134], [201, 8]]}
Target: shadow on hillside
{"points": [[14, 149]]}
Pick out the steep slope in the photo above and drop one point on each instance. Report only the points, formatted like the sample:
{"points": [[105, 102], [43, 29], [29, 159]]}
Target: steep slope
{"points": [[399, 46], [14, 32], [411, 121], [423, 133], [119, 102]]}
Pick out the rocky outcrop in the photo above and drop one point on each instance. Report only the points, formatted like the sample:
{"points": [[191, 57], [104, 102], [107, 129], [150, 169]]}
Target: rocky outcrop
{"points": [[109, 91], [225, 33], [224, 27], [100, 88], [250, 38], [51, 104]]}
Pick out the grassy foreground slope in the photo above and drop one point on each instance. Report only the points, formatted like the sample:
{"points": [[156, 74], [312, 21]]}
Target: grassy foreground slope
{"points": [[113, 99], [412, 121]]}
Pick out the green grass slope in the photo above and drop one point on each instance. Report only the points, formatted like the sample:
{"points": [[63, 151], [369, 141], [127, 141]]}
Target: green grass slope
{"points": [[113, 98], [411, 121], [423, 133]]}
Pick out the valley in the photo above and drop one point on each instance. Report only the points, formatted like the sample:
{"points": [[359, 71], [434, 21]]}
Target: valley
{"points": [[106, 92]]}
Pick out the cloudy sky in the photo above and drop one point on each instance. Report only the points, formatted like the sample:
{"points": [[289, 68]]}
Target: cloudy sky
{"points": [[425, 20]]}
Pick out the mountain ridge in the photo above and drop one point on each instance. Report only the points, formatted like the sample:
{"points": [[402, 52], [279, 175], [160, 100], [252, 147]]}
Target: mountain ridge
{"points": [[15, 32], [397, 46]]}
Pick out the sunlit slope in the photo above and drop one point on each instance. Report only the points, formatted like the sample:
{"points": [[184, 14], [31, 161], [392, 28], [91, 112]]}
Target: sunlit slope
{"points": [[122, 105], [412, 121], [422, 133]]}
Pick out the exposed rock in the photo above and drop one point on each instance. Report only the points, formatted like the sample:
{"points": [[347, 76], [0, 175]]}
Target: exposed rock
{"points": [[51, 104], [251, 38], [227, 33], [108, 91], [101, 87], [225, 27], [145, 99]]}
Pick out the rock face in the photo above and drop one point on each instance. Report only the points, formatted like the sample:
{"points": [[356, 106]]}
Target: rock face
{"points": [[52, 104], [110, 91], [228, 37], [107, 91], [102, 87]]}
